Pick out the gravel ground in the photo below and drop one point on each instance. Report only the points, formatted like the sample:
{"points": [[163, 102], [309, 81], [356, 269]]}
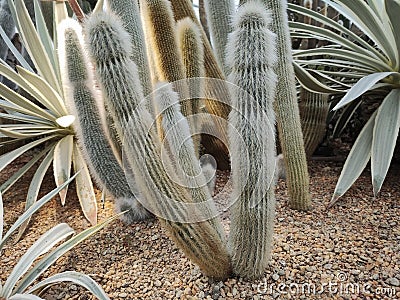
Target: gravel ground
{"points": [[351, 251]]}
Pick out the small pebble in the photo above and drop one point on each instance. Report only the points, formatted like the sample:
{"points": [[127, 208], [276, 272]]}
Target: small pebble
{"points": [[393, 282]]}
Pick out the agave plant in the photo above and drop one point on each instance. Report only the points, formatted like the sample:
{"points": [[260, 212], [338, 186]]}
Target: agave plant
{"points": [[20, 282], [39, 116], [356, 62]]}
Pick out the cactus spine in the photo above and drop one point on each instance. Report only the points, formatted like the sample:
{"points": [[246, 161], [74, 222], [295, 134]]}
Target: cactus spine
{"points": [[191, 49], [219, 13], [251, 57], [287, 110], [78, 84]]}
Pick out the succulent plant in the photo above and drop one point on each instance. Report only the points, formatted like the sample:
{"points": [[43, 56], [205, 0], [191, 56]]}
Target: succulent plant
{"points": [[191, 50], [219, 15], [172, 203], [90, 131], [287, 109], [251, 58]]}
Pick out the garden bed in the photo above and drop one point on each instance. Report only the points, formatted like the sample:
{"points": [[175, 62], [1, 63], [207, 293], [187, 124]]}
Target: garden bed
{"points": [[351, 251]]}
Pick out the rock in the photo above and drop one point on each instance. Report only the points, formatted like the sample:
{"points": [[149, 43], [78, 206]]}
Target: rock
{"points": [[157, 283], [122, 295], [275, 277], [328, 266], [393, 281]]}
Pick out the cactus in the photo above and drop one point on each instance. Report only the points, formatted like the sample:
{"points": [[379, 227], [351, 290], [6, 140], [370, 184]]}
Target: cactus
{"points": [[203, 19], [191, 49], [78, 83], [128, 11], [183, 9], [251, 57], [288, 116], [219, 13], [171, 202], [109, 46], [187, 166], [314, 109], [160, 25]]}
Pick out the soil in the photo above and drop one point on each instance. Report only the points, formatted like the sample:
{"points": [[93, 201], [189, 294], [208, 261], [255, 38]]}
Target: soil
{"points": [[351, 251]]}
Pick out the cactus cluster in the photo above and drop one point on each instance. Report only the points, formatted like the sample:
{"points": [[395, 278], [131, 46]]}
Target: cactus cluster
{"points": [[160, 164], [81, 97]]}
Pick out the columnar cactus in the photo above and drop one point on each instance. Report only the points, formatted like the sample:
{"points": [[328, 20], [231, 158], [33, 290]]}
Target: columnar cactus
{"points": [[160, 25], [200, 241], [183, 9], [109, 46], [251, 57], [287, 110], [129, 13], [191, 49], [219, 14], [78, 83], [180, 145]]}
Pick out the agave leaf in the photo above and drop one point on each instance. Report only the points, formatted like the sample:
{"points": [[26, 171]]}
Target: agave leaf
{"points": [[377, 6], [11, 108], [37, 205], [356, 160], [22, 171], [47, 241], [43, 91], [359, 13], [335, 25], [34, 46], [7, 158], [20, 118], [77, 278], [362, 86], [393, 11], [345, 117], [36, 133], [60, 13], [327, 34], [309, 82], [84, 187], [52, 257], [14, 50], [24, 297], [62, 163], [385, 135], [350, 57], [44, 36], [18, 100], [34, 187]]}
